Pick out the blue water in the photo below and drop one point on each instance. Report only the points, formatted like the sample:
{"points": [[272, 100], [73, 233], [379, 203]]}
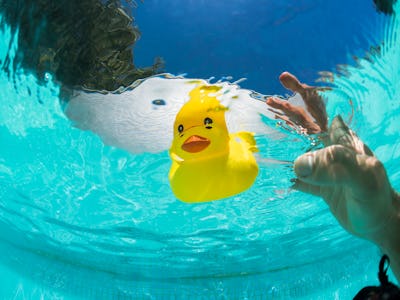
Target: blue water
{"points": [[83, 220], [256, 39]]}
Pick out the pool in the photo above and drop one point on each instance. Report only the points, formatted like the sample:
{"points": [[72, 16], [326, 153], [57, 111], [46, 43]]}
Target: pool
{"points": [[83, 219]]}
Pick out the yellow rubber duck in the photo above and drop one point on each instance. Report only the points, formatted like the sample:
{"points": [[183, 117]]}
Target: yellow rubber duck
{"points": [[208, 163]]}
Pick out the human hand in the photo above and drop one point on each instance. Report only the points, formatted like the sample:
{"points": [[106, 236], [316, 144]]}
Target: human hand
{"points": [[346, 174], [351, 180], [296, 115]]}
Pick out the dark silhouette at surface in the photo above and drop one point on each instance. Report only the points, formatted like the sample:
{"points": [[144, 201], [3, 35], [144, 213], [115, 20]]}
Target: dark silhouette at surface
{"points": [[385, 6], [86, 43]]}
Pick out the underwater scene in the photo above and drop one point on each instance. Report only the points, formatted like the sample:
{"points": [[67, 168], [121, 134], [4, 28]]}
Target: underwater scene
{"points": [[150, 149]]}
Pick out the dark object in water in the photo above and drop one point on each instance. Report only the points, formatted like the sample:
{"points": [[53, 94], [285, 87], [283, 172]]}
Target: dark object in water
{"points": [[159, 102], [385, 6], [386, 290], [85, 43]]}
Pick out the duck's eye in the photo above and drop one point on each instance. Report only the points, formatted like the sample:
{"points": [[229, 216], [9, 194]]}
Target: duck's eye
{"points": [[180, 128], [208, 122]]}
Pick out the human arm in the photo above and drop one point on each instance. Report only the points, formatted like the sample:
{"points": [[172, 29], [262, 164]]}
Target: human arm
{"points": [[346, 174], [354, 184]]}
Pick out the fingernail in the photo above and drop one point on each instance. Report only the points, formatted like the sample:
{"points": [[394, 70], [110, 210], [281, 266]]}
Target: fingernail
{"points": [[303, 166]]}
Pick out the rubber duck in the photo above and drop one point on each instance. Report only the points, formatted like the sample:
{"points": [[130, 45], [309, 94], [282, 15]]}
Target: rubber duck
{"points": [[208, 162]]}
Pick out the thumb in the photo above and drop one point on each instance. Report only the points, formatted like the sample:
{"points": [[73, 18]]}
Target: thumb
{"points": [[329, 166]]}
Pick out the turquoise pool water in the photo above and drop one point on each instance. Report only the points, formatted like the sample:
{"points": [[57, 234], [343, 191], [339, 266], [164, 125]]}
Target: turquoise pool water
{"points": [[83, 220]]}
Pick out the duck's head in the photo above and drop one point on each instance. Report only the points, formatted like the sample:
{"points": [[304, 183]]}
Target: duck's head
{"points": [[200, 130]]}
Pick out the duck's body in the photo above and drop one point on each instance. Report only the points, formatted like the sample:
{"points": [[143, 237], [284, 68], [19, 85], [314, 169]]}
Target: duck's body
{"points": [[208, 163], [218, 177]]}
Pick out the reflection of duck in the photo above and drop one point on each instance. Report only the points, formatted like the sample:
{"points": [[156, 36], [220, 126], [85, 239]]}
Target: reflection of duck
{"points": [[137, 119], [134, 119], [208, 163]]}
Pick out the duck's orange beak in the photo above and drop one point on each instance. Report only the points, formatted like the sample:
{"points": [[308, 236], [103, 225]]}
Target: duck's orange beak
{"points": [[195, 143]]}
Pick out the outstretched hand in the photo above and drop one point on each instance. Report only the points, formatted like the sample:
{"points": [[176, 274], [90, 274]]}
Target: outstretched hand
{"points": [[346, 174], [313, 122], [351, 180]]}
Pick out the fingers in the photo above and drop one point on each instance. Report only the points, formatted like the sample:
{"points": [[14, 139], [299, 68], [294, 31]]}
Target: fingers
{"points": [[316, 107], [339, 165], [339, 133], [295, 114], [307, 188], [328, 166], [314, 103], [291, 82]]}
